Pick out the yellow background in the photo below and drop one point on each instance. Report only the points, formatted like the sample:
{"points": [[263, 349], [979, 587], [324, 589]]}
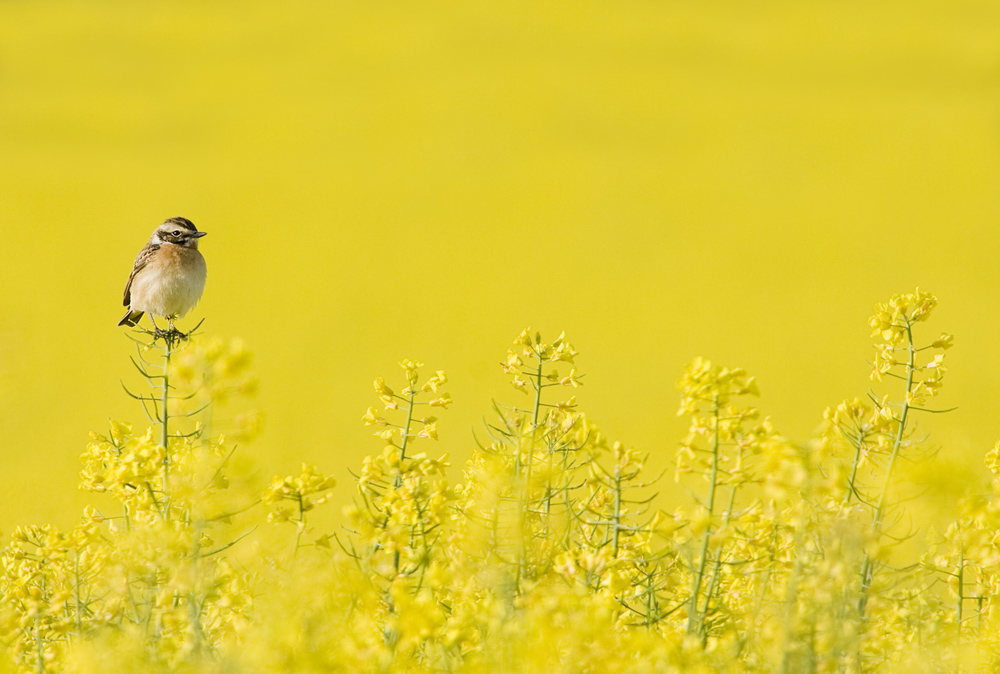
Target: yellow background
{"points": [[383, 180]]}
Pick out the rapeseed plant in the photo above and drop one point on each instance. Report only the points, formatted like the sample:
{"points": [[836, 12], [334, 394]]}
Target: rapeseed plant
{"points": [[552, 554]]}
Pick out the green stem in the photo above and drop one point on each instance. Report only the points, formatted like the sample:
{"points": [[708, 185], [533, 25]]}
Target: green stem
{"points": [[961, 597], [76, 591], [694, 620], [39, 644], [164, 431], [717, 564], [854, 469], [300, 527], [534, 425], [618, 510], [398, 482], [529, 457], [406, 429], [868, 568]]}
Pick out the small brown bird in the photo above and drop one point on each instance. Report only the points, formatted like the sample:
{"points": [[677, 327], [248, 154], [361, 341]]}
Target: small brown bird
{"points": [[168, 276]]}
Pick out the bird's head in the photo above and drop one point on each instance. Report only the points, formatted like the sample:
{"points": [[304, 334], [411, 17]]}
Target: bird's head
{"points": [[178, 231]]}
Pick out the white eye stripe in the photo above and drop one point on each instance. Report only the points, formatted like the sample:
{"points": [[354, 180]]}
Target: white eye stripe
{"points": [[172, 233]]}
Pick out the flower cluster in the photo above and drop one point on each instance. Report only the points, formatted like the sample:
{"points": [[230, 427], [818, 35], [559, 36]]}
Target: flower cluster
{"points": [[288, 499], [893, 323], [526, 362]]}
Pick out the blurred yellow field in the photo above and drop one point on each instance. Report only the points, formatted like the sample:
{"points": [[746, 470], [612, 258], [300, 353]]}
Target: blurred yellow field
{"points": [[387, 181]]}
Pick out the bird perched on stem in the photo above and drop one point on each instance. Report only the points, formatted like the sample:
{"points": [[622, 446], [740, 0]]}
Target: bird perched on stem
{"points": [[168, 276]]}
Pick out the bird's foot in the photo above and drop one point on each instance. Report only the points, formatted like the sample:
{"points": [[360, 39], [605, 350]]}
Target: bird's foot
{"points": [[175, 333], [171, 335]]}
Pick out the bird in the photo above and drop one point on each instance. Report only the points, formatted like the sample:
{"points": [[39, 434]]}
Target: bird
{"points": [[168, 276]]}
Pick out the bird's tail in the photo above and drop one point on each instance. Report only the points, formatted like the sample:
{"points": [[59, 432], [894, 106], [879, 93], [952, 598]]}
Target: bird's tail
{"points": [[131, 318]]}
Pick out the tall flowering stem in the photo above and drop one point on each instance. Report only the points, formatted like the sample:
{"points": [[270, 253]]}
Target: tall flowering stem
{"points": [[722, 426], [164, 586], [893, 323], [157, 407], [533, 363], [405, 502]]}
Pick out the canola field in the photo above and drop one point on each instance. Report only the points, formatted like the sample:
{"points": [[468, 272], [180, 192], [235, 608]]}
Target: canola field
{"points": [[545, 551]]}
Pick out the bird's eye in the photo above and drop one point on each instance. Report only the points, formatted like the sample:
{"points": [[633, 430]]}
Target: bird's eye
{"points": [[177, 232]]}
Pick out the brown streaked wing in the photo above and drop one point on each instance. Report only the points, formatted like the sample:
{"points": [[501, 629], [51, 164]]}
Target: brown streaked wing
{"points": [[145, 255]]}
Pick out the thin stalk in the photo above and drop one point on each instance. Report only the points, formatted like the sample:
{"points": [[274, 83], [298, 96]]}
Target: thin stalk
{"points": [[300, 527], [618, 510], [76, 593], [398, 482], [650, 597], [527, 472], [534, 425], [406, 430], [39, 645], [568, 500], [854, 469], [868, 568], [961, 596], [164, 434], [717, 565], [694, 620]]}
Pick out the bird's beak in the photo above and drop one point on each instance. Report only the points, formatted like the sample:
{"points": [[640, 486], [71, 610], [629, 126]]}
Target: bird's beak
{"points": [[198, 235]]}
